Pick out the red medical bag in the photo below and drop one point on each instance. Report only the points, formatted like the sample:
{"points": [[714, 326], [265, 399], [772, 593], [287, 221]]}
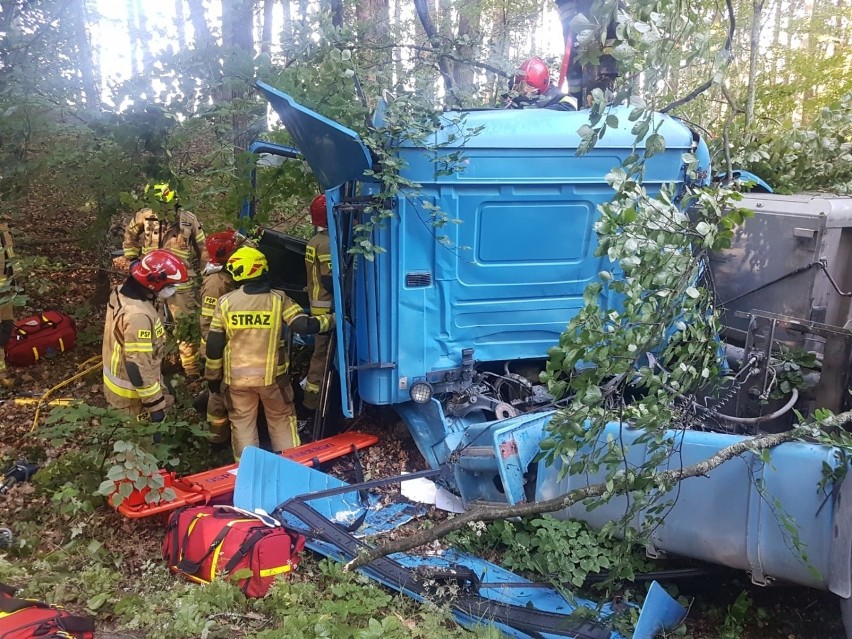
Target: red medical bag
{"points": [[26, 619], [203, 541], [40, 336]]}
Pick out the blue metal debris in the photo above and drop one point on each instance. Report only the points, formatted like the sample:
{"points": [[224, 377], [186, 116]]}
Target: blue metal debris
{"points": [[265, 481]]}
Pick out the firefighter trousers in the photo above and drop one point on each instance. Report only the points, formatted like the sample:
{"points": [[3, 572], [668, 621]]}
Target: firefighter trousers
{"points": [[277, 406], [316, 371], [217, 417], [7, 327]]}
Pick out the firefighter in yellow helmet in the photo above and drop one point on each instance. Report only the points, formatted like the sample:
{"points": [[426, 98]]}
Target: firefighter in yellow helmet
{"points": [[245, 354], [179, 231], [134, 337], [318, 267], [7, 322]]}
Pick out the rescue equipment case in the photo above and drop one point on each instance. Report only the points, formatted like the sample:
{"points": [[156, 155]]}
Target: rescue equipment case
{"points": [[30, 619], [40, 336], [203, 541]]}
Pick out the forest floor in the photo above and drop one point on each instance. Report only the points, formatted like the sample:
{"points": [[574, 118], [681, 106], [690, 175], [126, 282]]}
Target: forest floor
{"points": [[72, 549]]}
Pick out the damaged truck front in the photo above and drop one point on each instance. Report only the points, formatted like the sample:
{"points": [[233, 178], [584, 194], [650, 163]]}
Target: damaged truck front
{"points": [[451, 327]]}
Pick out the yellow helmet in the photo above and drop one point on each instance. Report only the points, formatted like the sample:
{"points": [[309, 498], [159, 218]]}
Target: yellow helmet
{"points": [[162, 192], [247, 263]]}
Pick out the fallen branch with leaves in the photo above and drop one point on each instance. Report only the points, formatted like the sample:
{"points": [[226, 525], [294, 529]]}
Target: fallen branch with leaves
{"points": [[622, 484]]}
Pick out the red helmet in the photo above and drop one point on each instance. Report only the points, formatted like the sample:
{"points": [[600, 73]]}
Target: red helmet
{"points": [[319, 216], [159, 269], [535, 73], [220, 245]]}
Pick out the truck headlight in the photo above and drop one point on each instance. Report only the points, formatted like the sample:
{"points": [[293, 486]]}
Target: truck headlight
{"points": [[421, 392]]}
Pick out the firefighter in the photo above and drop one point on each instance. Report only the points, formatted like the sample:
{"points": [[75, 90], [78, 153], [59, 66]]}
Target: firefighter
{"points": [[245, 354], [134, 337], [534, 89], [318, 267], [183, 235], [215, 283], [7, 323]]}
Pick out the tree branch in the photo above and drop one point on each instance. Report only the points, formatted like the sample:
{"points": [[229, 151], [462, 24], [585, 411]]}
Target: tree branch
{"points": [[622, 484], [432, 35], [732, 25]]}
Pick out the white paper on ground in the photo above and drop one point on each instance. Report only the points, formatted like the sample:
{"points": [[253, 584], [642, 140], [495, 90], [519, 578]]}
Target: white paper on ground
{"points": [[425, 491], [445, 500]]}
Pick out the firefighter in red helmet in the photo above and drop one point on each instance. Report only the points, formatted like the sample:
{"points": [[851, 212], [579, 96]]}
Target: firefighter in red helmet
{"points": [[215, 283], [320, 288], [134, 337], [531, 87]]}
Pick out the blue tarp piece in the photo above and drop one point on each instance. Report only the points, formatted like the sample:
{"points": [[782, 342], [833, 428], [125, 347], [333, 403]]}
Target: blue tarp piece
{"points": [[265, 481]]}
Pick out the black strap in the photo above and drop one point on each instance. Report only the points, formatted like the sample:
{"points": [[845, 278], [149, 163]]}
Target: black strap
{"points": [[13, 604], [251, 540], [74, 624], [172, 529], [191, 567]]}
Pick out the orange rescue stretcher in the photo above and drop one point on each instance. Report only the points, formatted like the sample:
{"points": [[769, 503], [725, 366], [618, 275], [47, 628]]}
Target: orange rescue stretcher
{"points": [[202, 487]]}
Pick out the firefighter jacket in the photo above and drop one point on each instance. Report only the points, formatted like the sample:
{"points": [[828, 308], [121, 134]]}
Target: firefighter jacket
{"points": [[7, 254], [318, 266], [183, 236], [133, 344], [244, 346], [213, 287]]}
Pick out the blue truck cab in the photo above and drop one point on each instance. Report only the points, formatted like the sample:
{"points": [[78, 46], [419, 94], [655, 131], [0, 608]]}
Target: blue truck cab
{"points": [[453, 324]]}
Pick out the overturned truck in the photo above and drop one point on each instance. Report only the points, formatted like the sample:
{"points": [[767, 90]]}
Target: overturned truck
{"points": [[454, 338]]}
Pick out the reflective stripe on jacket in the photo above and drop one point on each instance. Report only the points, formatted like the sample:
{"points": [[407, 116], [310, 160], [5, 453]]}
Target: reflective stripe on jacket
{"points": [[252, 324], [184, 237], [318, 265], [213, 287], [132, 333], [7, 254]]}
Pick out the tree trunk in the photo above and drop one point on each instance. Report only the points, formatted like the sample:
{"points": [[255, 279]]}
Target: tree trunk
{"points": [[203, 38], [372, 17], [470, 19], [432, 36], [133, 34], [398, 68], [266, 28], [180, 24], [144, 34], [287, 24], [754, 53], [88, 72], [238, 43], [335, 8]]}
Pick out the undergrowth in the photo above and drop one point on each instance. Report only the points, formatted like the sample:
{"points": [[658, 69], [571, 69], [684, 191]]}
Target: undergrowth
{"points": [[322, 601]]}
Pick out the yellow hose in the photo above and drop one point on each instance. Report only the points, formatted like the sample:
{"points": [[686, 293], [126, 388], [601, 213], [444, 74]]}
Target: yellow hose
{"points": [[83, 373]]}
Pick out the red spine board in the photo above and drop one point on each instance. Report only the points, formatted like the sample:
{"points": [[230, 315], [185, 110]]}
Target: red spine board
{"points": [[202, 487]]}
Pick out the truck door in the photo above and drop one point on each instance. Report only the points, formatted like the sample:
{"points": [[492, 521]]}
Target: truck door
{"points": [[337, 156]]}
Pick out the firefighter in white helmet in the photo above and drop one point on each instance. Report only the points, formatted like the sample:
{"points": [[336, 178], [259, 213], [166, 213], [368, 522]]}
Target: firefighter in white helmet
{"points": [[134, 337], [180, 232], [245, 354]]}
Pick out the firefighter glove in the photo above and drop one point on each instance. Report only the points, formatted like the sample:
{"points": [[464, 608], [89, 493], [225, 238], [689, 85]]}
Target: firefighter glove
{"points": [[214, 385]]}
